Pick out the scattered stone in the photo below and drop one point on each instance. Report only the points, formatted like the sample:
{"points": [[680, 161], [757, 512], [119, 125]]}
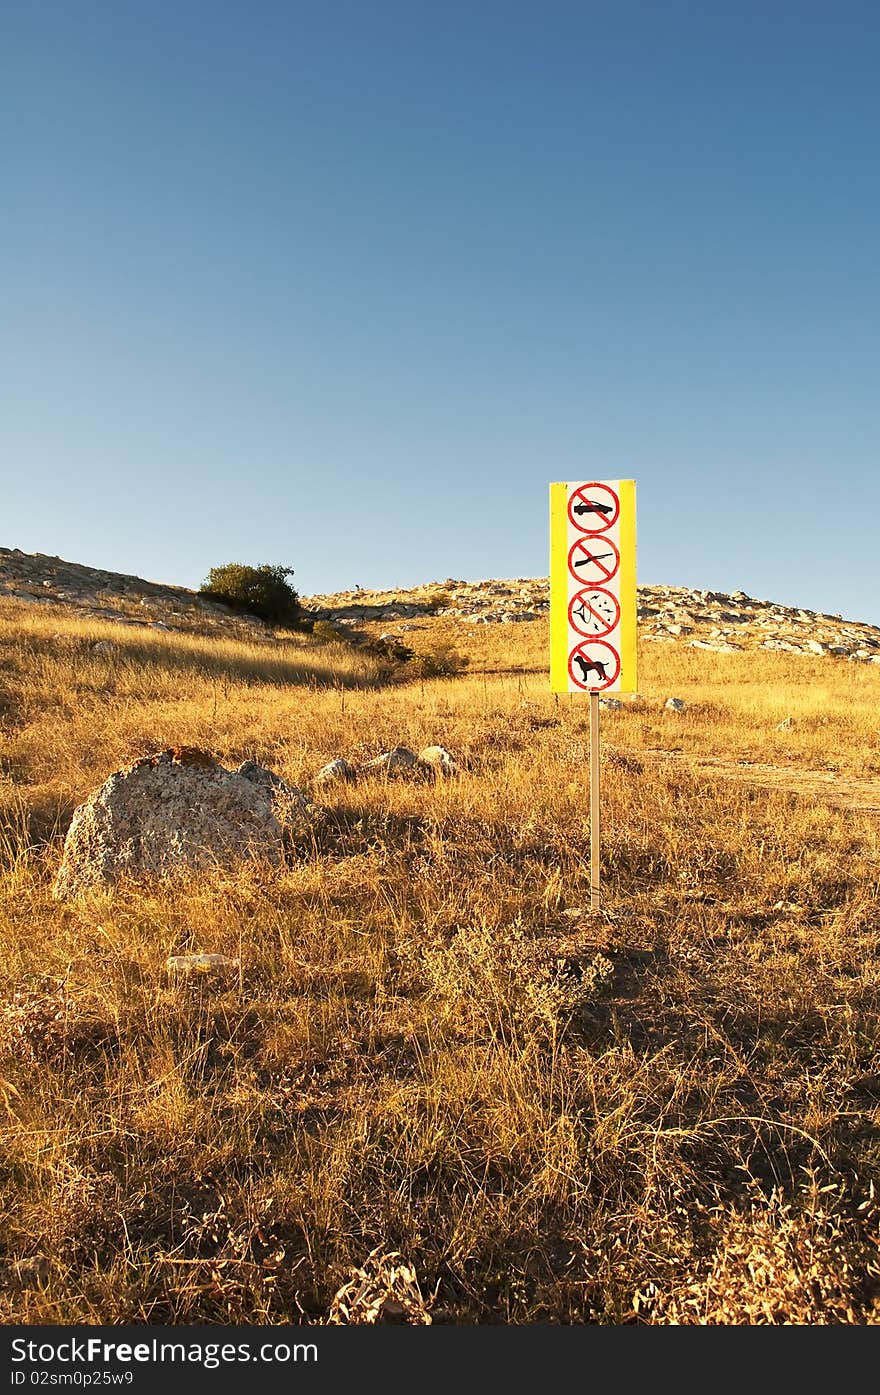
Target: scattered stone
{"points": [[611, 704], [392, 762], [439, 759], [103, 646], [201, 963], [171, 810], [275, 787], [338, 769], [675, 704]]}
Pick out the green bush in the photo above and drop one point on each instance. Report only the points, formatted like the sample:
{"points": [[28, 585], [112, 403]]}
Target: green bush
{"points": [[262, 591]]}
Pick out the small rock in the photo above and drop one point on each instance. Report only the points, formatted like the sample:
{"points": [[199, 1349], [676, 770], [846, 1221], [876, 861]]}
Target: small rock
{"points": [[103, 646], [675, 704], [185, 963], [439, 759], [339, 769], [271, 783], [785, 725], [611, 704], [392, 762]]}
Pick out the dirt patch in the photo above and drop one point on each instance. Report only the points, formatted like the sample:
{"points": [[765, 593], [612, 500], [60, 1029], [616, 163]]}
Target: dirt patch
{"points": [[839, 791]]}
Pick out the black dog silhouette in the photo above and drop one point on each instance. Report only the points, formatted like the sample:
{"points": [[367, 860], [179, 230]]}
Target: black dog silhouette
{"points": [[587, 664]]}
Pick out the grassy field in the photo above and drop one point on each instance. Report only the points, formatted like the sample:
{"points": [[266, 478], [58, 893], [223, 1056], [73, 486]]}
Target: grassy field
{"points": [[668, 1112]]}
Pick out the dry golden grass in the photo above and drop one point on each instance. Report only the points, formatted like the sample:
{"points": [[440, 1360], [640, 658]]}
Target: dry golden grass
{"points": [[667, 1113]]}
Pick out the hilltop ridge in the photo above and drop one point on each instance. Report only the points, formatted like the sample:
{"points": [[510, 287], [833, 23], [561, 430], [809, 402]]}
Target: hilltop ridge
{"points": [[700, 619]]}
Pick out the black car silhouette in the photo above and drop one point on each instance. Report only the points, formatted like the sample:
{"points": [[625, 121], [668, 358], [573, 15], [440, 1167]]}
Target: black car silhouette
{"points": [[591, 506]]}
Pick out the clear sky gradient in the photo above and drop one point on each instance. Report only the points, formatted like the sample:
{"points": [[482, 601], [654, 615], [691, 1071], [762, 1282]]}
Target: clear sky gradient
{"points": [[346, 285]]}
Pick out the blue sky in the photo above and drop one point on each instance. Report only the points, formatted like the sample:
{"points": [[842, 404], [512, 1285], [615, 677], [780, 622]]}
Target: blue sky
{"points": [[346, 285]]}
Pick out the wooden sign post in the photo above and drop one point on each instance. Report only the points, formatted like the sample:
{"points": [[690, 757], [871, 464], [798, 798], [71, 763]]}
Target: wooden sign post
{"points": [[593, 610], [594, 802]]}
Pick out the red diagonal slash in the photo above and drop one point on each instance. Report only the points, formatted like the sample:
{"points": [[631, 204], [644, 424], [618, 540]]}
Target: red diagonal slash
{"points": [[607, 572], [582, 493], [586, 648], [580, 597]]}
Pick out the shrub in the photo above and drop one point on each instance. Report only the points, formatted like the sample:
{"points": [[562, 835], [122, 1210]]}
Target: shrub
{"points": [[440, 662], [437, 600], [325, 632], [390, 648], [262, 591]]}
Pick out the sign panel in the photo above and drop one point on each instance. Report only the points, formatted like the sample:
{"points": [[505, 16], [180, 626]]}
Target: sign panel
{"points": [[593, 587]]}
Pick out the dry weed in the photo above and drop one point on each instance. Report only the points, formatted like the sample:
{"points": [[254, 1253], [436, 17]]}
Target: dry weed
{"points": [[425, 1045]]}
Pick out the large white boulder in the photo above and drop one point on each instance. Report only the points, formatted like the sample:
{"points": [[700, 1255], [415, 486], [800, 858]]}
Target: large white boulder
{"points": [[171, 810]]}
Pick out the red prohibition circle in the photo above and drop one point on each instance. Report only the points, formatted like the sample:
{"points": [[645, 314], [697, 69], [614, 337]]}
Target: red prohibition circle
{"points": [[580, 599], [582, 505], [581, 554], [586, 652]]}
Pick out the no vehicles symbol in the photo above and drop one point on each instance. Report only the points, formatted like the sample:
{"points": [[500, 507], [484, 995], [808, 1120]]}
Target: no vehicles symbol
{"points": [[593, 612], [593, 665], [593, 560], [593, 507]]}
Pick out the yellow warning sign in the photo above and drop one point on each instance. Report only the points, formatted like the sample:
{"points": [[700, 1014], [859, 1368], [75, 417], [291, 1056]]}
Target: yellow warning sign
{"points": [[593, 587]]}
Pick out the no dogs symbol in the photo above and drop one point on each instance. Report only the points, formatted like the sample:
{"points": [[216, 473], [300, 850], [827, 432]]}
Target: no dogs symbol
{"points": [[593, 665]]}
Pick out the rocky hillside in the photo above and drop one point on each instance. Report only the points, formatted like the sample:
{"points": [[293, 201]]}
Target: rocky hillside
{"points": [[667, 614], [113, 596]]}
